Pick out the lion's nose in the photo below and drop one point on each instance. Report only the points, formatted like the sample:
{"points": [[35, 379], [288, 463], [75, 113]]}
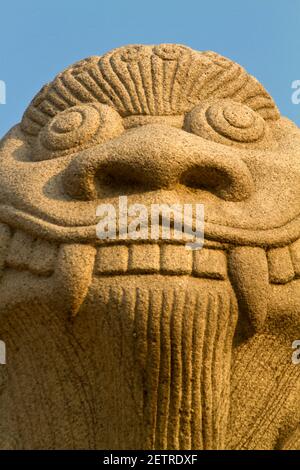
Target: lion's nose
{"points": [[157, 157]]}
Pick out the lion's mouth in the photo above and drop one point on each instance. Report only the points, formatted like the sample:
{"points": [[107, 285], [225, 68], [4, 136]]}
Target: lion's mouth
{"points": [[24, 252], [250, 270]]}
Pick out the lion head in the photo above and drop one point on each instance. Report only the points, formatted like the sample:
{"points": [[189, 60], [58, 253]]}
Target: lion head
{"points": [[140, 343]]}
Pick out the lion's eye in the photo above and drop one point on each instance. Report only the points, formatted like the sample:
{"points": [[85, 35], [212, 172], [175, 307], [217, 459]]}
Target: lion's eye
{"points": [[228, 122], [75, 129]]}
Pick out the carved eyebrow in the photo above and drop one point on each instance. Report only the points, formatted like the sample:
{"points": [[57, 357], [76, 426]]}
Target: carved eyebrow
{"points": [[163, 80]]}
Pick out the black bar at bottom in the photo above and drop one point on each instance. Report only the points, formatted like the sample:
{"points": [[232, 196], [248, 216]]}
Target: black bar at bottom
{"points": [[134, 459]]}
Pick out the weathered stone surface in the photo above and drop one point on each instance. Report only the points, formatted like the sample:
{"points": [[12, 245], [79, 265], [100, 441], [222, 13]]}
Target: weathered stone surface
{"points": [[130, 344]]}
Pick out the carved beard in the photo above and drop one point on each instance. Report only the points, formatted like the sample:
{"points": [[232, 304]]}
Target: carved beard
{"points": [[146, 361], [180, 342]]}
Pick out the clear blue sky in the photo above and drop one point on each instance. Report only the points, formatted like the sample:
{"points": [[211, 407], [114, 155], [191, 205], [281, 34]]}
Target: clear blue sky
{"points": [[40, 38]]}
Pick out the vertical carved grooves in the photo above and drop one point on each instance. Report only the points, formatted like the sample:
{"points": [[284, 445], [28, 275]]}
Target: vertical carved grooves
{"points": [[179, 80], [126, 84], [225, 82], [135, 77], [146, 74], [77, 89], [112, 81], [38, 392], [169, 71], [175, 373], [87, 80], [164, 390], [102, 87], [181, 348], [62, 87]]}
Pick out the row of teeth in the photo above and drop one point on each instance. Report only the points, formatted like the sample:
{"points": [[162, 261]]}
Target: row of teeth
{"points": [[21, 251], [284, 263], [166, 258]]}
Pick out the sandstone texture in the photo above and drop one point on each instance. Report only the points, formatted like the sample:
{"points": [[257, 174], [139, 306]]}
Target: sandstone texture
{"points": [[143, 344]]}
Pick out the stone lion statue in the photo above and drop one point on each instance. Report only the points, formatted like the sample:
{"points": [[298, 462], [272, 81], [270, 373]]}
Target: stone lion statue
{"points": [[143, 344]]}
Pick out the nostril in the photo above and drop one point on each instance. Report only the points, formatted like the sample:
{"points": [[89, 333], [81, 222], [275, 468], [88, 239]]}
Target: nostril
{"points": [[123, 178], [232, 183], [87, 178], [211, 179], [132, 174]]}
